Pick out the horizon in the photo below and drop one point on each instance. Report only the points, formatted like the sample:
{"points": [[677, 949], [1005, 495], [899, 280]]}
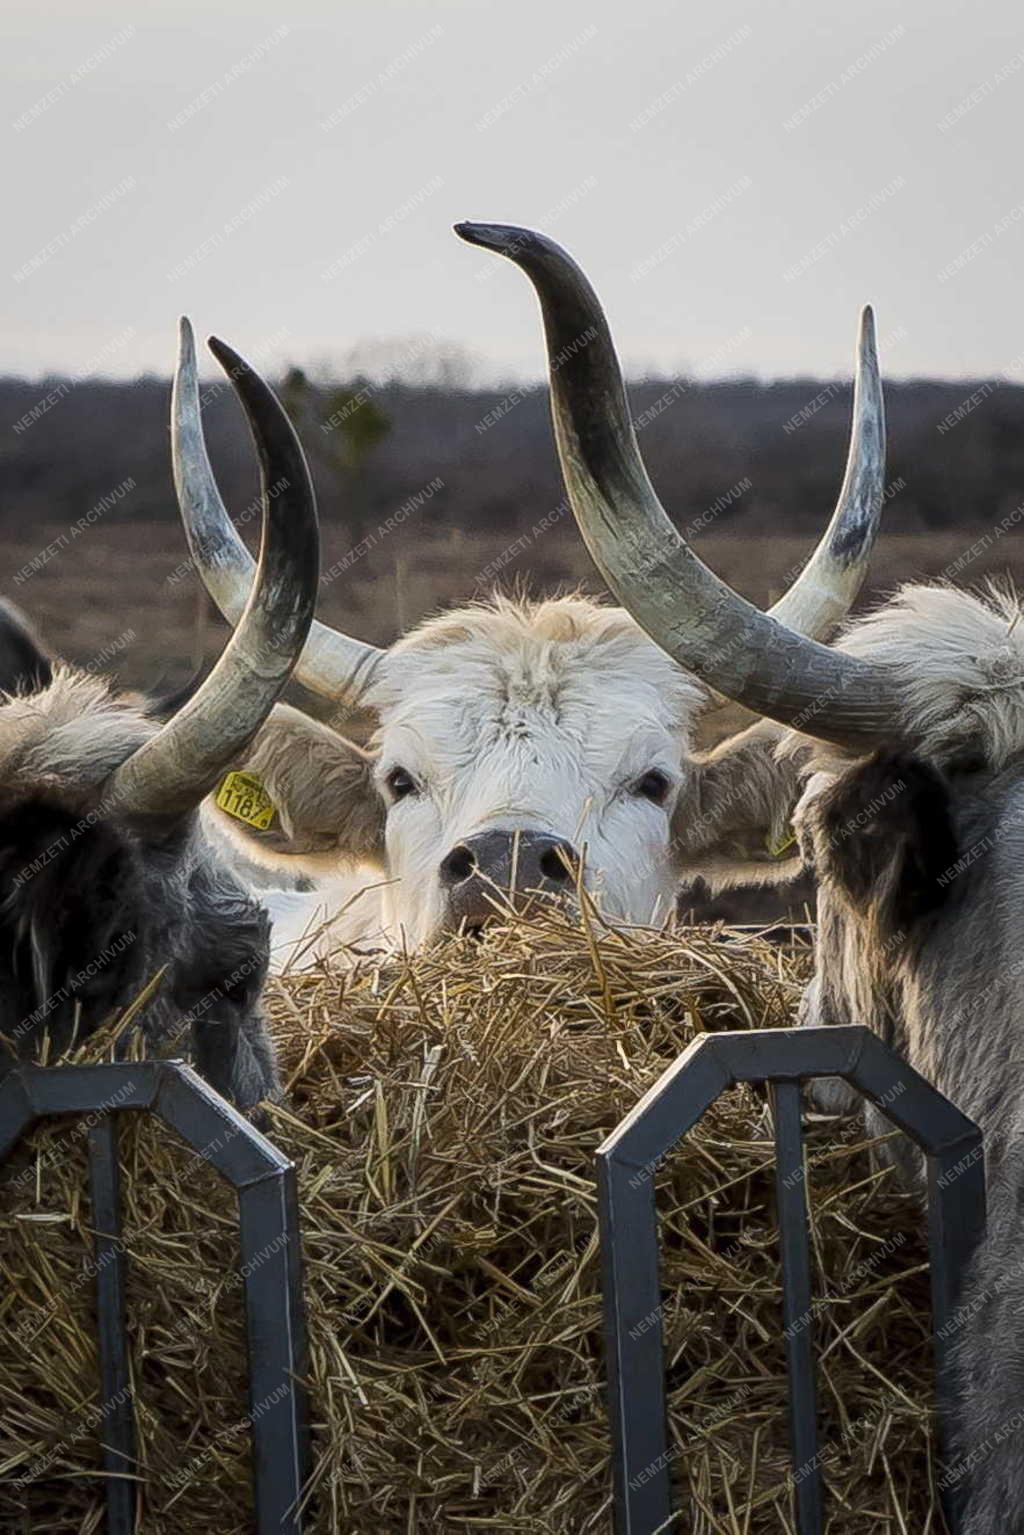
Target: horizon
{"points": [[484, 385]]}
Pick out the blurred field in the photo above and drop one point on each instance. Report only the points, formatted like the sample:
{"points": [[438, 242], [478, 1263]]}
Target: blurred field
{"points": [[117, 596], [751, 471]]}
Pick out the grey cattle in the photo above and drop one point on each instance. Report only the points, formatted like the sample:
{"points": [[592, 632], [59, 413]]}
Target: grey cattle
{"points": [[107, 878], [919, 857], [526, 746], [910, 734]]}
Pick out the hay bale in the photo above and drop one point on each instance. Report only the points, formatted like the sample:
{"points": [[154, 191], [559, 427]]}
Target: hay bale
{"points": [[443, 1111]]}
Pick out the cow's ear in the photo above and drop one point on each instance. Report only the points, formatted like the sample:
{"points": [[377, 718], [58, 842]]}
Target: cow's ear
{"points": [[732, 823], [303, 797], [883, 837], [25, 666]]}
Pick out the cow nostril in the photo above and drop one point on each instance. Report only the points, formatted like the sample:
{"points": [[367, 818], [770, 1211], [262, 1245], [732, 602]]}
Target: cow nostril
{"points": [[556, 863], [458, 865]]}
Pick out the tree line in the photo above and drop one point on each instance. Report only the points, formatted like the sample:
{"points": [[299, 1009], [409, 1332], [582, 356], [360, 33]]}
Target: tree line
{"points": [[716, 451]]}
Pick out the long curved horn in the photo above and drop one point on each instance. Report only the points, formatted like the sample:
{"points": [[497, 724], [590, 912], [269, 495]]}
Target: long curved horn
{"points": [[827, 586], [332, 664], [178, 766], [825, 590], [699, 620]]}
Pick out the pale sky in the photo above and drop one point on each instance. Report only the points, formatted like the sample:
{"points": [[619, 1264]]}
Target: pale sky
{"points": [[737, 179]]}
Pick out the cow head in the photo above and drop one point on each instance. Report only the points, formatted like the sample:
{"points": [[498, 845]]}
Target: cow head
{"points": [[900, 840], [107, 880], [541, 746], [518, 747]]}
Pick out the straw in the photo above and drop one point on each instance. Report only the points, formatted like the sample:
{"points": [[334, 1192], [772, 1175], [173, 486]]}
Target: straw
{"points": [[443, 1110]]}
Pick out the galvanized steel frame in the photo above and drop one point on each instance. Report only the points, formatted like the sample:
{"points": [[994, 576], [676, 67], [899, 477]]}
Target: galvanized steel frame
{"points": [[271, 1261], [626, 1162]]}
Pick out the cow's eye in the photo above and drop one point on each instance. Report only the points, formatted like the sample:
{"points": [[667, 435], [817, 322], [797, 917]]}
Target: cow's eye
{"points": [[400, 783], [653, 786]]}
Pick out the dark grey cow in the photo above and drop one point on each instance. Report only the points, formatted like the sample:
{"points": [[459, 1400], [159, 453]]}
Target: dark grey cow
{"points": [[107, 878], [910, 731], [919, 856]]}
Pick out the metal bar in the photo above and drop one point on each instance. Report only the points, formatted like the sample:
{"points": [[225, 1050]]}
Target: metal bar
{"points": [[956, 1226], [758, 1055], [17, 1112], [92, 1089], [272, 1267], [797, 1308], [214, 1128], [117, 1427], [907, 1100], [272, 1271], [634, 1346], [671, 1107], [666, 1112]]}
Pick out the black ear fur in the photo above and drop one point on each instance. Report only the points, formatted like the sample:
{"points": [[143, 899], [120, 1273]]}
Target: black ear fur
{"points": [[888, 838], [24, 665], [71, 898]]}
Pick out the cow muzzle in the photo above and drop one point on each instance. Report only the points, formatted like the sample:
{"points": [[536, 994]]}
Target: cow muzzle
{"points": [[490, 874]]}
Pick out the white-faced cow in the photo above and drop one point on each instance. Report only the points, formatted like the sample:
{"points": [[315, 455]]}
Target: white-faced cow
{"points": [[912, 818], [514, 739], [107, 877]]}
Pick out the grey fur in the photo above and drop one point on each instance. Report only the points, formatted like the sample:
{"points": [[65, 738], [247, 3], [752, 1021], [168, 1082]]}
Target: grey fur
{"points": [[93, 906], [921, 936]]}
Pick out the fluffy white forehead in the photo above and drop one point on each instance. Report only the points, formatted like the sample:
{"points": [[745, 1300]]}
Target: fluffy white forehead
{"points": [[568, 671]]}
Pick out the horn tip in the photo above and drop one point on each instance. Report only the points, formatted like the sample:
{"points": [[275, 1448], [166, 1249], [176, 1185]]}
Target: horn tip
{"points": [[498, 237], [186, 340], [867, 345], [226, 355]]}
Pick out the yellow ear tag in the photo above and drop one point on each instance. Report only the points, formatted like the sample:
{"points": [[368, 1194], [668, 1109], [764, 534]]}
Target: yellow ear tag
{"points": [[778, 845], [243, 796]]}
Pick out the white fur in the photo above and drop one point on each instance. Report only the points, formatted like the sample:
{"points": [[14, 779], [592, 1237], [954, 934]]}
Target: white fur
{"points": [[532, 717], [958, 660], [513, 715]]}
